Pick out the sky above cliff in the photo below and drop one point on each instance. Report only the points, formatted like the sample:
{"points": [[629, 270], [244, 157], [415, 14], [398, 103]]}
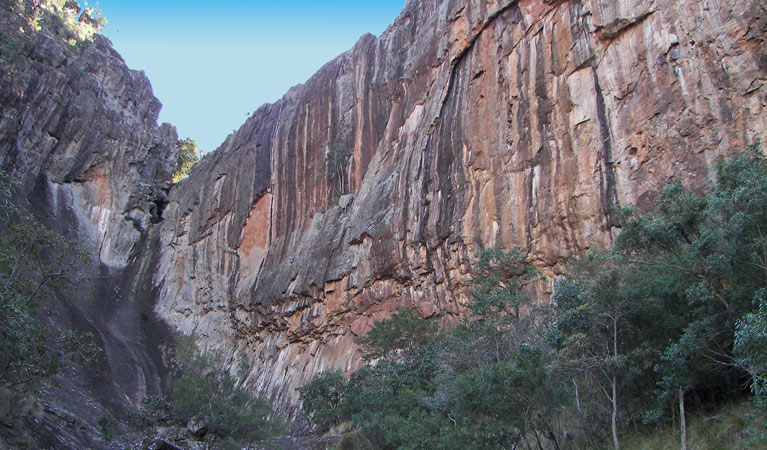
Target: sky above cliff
{"points": [[212, 64]]}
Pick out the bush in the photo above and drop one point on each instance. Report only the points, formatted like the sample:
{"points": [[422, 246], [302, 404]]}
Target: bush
{"points": [[751, 348], [354, 441], [322, 397], [108, 426], [155, 410], [404, 330], [207, 395], [188, 156], [675, 312]]}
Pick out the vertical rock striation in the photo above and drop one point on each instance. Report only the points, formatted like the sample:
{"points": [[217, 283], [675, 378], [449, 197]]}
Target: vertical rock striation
{"points": [[79, 130], [466, 124], [82, 127]]}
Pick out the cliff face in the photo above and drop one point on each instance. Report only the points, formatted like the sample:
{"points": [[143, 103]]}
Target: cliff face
{"points": [[79, 130], [467, 124], [83, 127]]}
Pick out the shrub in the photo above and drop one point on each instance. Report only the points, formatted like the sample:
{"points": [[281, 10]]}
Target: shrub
{"points": [[108, 426], [155, 410], [188, 156], [354, 441], [322, 399], [404, 330], [205, 394]]}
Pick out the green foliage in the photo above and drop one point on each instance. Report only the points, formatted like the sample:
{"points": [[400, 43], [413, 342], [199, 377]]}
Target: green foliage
{"points": [[227, 414], [321, 399], [484, 384], [404, 330], [71, 28], [673, 288], [188, 156], [205, 394], [32, 262], [390, 401], [155, 410], [713, 246], [603, 341], [751, 348], [732, 426], [676, 311], [717, 241], [453, 392], [63, 21], [509, 402], [654, 320], [500, 278], [354, 441]]}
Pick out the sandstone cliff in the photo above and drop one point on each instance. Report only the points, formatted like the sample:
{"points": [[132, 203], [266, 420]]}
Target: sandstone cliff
{"points": [[79, 130], [466, 124]]}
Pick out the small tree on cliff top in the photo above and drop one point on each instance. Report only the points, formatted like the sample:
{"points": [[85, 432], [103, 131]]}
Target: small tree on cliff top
{"points": [[188, 156]]}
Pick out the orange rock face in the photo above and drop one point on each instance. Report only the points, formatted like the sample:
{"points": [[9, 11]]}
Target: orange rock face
{"points": [[467, 124]]}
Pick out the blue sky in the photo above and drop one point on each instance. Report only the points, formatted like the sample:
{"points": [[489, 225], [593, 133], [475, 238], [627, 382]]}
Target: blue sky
{"points": [[212, 63]]}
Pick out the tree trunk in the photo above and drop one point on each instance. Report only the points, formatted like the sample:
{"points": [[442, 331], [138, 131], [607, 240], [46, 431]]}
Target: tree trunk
{"points": [[682, 421], [614, 419], [538, 440], [553, 439], [577, 400]]}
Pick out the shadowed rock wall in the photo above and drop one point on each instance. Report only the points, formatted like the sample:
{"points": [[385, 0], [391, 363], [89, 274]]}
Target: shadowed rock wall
{"points": [[466, 124], [79, 131]]}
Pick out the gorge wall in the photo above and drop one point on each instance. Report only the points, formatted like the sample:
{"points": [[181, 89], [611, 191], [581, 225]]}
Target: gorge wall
{"points": [[79, 133], [466, 124]]}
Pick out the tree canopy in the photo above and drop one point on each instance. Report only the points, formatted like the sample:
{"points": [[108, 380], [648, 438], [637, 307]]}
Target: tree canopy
{"points": [[188, 156]]}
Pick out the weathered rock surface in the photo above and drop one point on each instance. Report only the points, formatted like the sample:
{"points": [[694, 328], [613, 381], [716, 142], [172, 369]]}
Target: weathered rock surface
{"points": [[79, 130], [81, 127], [466, 124]]}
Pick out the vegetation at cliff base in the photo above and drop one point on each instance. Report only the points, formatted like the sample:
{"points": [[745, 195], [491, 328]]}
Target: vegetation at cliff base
{"points": [[651, 337], [208, 395], [403, 330], [32, 264], [209, 403]]}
